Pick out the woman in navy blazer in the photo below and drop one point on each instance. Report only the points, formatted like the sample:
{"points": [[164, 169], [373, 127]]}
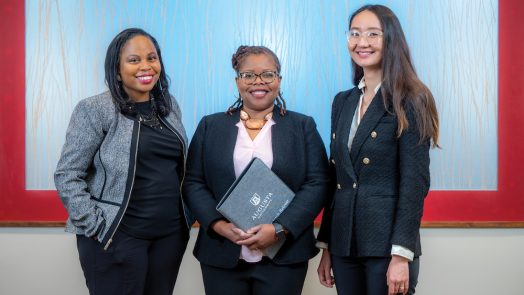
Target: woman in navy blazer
{"points": [[230, 259], [381, 134]]}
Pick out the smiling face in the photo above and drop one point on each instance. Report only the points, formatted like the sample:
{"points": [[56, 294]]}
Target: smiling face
{"points": [[365, 54], [139, 67], [258, 97]]}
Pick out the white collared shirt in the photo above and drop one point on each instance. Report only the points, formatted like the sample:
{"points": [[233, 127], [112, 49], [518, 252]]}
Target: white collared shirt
{"points": [[356, 117]]}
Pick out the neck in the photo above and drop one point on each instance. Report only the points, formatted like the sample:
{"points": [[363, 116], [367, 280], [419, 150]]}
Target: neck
{"points": [[258, 114], [372, 78], [138, 97]]}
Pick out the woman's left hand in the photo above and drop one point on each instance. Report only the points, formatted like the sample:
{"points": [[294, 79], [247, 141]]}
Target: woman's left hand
{"points": [[398, 275], [263, 237]]}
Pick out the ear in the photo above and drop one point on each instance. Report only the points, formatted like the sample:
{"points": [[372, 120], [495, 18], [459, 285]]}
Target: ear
{"points": [[118, 78], [238, 81]]}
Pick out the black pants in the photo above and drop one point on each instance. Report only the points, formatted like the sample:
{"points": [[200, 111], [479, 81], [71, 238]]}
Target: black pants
{"points": [[261, 278], [367, 275], [131, 265]]}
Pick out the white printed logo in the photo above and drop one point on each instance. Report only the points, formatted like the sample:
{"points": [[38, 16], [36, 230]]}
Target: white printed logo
{"points": [[255, 200]]}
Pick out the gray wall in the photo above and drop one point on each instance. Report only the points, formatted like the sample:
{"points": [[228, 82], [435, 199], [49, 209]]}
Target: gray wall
{"points": [[455, 262]]}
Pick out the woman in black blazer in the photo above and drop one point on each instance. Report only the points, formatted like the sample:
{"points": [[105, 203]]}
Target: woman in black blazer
{"points": [[231, 260], [381, 134]]}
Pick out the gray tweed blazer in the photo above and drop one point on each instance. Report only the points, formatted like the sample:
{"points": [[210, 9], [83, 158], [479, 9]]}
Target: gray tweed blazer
{"points": [[95, 171]]}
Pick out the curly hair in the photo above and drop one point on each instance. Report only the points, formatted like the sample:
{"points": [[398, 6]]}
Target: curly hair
{"points": [[238, 58]]}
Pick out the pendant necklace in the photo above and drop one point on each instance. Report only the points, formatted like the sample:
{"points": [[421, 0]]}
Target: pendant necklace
{"points": [[252, 123]]}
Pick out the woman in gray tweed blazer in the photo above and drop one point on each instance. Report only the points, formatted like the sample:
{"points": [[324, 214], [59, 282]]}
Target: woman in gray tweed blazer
{"points": [[382, 130], [120, 172]]}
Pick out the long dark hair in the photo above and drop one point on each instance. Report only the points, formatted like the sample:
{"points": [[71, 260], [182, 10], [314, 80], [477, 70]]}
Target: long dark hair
{"points": [[238, 57], [401, 88], [160, 92]]}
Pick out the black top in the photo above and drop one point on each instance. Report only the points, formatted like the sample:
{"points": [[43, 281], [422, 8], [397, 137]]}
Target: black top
{"points": [[154, 208]]}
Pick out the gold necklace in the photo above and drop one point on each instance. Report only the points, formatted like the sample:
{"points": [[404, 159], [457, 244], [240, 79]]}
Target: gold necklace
{"points": [[252, 123]]}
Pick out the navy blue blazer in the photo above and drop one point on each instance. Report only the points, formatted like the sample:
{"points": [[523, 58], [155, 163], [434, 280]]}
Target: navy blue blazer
{"points": [[299, 159], [380, 185]]}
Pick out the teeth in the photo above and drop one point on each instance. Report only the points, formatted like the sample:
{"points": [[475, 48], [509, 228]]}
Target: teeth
{"points": [[145, 78], [258, 92]]}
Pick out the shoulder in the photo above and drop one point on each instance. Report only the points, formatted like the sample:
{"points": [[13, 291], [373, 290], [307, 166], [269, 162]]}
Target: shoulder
{"points": [[344, 95], [218, 117], [297, 117], [340, 99], [216, 121], [102, 101], [296, 121], [99, 109]]}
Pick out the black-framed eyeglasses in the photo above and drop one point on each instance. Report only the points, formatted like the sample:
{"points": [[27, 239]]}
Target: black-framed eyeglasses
{"points": [[266, 77]]}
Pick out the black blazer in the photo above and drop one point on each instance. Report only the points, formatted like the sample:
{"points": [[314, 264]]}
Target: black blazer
{"points": [[380, 185], [299, 159]]}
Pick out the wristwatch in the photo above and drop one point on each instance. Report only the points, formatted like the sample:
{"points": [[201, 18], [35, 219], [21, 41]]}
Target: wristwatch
{"points": [[280, 232]]}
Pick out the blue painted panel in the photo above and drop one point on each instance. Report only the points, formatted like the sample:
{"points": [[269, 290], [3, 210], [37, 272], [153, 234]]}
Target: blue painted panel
{"points": [[66, 43]]}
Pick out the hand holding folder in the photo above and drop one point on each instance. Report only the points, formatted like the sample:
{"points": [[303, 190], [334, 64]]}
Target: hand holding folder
{"points": [[256, 197]]}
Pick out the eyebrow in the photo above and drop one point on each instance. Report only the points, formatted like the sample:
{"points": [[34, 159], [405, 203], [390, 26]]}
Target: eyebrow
{"points": [[370, 28], [138, 55], [253, 71]]}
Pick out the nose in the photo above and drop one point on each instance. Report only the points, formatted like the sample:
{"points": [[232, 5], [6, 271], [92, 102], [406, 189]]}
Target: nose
{"points": [[363, 41], [144, 65], [258, 80]]}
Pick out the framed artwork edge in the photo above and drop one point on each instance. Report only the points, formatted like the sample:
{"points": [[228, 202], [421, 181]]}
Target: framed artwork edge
{"points": [[503, 208]]}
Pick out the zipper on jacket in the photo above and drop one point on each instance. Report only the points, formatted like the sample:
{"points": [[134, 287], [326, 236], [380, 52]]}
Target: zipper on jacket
{"points": [[183, 170], [105, 174], [130, 189]]}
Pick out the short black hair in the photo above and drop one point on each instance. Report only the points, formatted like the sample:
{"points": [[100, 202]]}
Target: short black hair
{"points": [[238, 57], [244, 51]]}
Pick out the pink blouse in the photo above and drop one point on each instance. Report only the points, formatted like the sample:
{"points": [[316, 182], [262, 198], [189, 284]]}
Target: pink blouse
{"points": [[245, 150]]}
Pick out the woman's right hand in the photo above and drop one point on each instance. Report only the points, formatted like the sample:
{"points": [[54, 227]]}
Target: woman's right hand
{"points": [[324, 270], [229, 231]]}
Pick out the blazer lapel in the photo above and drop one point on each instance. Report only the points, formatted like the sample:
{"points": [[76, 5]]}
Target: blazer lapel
{"points": [[228, 141], [343, 127], [280, 141], [373, 114]]}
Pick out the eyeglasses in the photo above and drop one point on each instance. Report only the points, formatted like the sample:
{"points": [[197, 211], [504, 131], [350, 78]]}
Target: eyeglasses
{"points": [[266, 77], [371, 37]]}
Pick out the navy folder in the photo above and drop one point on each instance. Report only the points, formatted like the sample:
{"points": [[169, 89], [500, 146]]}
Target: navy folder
{"points": [[256, 197]]}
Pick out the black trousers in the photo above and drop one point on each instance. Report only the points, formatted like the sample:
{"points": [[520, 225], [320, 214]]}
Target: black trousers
{"points": [[367, 275], [261, 278], [132, 266]]}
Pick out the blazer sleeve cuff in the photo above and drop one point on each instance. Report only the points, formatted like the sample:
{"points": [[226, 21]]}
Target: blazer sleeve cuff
{"points": [[402, 251]]}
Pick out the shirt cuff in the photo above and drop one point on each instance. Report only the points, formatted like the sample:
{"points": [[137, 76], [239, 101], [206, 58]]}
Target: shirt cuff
{"points": [[401, 251], [321, 245]]}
